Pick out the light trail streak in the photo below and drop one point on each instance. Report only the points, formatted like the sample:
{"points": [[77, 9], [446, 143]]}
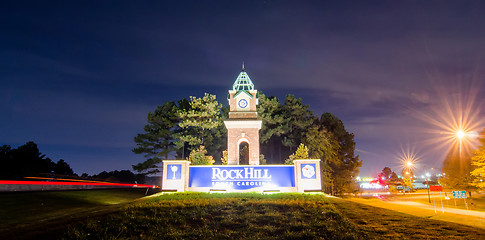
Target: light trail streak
{"points": [[19, 182]]}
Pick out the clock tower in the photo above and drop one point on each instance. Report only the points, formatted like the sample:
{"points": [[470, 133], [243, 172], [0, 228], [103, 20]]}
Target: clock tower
{"points": [[243, 124]]}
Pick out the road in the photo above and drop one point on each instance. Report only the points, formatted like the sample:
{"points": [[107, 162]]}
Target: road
{"points": [[405, 204], [439, 209]]}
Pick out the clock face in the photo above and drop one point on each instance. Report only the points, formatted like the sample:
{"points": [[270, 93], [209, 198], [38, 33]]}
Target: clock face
{"points": [[243, 103]]}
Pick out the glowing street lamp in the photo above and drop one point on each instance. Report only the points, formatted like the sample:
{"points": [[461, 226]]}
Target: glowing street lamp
{"points": [[455, 117], [408, 158], [460, 134]]}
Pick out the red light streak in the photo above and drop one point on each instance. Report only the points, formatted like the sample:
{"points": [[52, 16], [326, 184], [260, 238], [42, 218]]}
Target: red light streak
{"points": [[78, 183]]}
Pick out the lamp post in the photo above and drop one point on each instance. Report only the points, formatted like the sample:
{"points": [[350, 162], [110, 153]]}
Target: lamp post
{"points": [[407, 175], [427, 184]]}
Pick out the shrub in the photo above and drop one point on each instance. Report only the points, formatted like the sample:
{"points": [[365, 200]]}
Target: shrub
{"points": [[301, 153], [199, 157]]}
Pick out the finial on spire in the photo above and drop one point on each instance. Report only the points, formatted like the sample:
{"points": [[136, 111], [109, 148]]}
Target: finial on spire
{"points": [[243, 67]]}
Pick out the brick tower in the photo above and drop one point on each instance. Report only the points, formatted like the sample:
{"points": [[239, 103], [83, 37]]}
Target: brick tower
{"points": [[243, 124]]}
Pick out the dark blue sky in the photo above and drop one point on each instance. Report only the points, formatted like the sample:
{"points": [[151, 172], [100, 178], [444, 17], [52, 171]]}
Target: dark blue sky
{"points": [[79, 77]]}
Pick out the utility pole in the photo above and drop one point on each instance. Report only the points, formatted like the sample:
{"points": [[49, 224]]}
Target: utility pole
{"points": [[427, 183]]}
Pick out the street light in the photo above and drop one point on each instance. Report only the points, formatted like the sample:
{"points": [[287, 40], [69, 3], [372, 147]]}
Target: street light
{"points": [[408, 159], [460, 134], [427, 184]]}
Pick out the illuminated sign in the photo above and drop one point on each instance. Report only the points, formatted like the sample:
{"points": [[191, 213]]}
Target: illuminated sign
{"points": [[459, 194], [241, 177], [308, 171], [436, 188], [174, 171]]}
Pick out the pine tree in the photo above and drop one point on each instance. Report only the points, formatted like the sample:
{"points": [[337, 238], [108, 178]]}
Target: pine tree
{"points": [[321, 144], [270, 112], [203, 116], [158, 140], [345, 167], [301, 153], [297, 119]]}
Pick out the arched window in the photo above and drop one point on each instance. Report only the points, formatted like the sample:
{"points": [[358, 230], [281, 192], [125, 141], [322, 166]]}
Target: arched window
{"points": [[243, 153]]}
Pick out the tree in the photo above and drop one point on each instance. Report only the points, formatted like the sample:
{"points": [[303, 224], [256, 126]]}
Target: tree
{"points": [[180, 128], [386, 172], [388, 178], [31, 161], [28, 161], [199, 157], [456, 168], [321, 144], [297, 119], [301, 153], [283, 125], [345, 168], [62, 168], [224, 158], [393, 181], [202, 124], [407, 180], [262, 160], [202, 116], [270, 112], [125, 176], [158, 140], [478, 161], [7, 163]]}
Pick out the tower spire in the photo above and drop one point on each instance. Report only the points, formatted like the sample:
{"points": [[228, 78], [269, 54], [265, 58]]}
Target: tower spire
{"points": [[243, 67]]}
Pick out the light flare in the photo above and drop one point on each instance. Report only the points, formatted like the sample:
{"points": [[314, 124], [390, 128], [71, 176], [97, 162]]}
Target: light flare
{"points": [[453, 119], [460, 134], [408, 158]]}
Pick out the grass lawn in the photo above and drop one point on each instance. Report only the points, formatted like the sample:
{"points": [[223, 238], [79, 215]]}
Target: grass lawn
{"points": [[219, 216], [28, 213], [424, 213], [256, 216]]}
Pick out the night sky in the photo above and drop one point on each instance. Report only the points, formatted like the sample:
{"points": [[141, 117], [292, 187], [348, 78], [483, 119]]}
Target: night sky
{"points": [[79, 77]]}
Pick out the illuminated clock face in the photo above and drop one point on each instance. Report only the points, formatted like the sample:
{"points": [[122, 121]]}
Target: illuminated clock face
{"points": [[243, 103]]}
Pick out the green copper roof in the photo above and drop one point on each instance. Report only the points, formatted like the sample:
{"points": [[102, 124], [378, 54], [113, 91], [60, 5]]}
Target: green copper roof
{"points": [[243, 91], [243, 82]]}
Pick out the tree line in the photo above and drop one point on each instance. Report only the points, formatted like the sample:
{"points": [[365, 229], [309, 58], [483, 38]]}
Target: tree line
{"points": [[175, 129], [28, 161]]}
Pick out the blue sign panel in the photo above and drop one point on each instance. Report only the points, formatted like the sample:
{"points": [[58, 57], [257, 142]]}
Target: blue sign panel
{"points": [[459, 194], [174, 171], [308, 171], [242, 177]]}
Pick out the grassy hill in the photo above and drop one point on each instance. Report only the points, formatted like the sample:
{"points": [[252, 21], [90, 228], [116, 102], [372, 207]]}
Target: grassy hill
{"points": [[250, 216], [24, 215]]}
